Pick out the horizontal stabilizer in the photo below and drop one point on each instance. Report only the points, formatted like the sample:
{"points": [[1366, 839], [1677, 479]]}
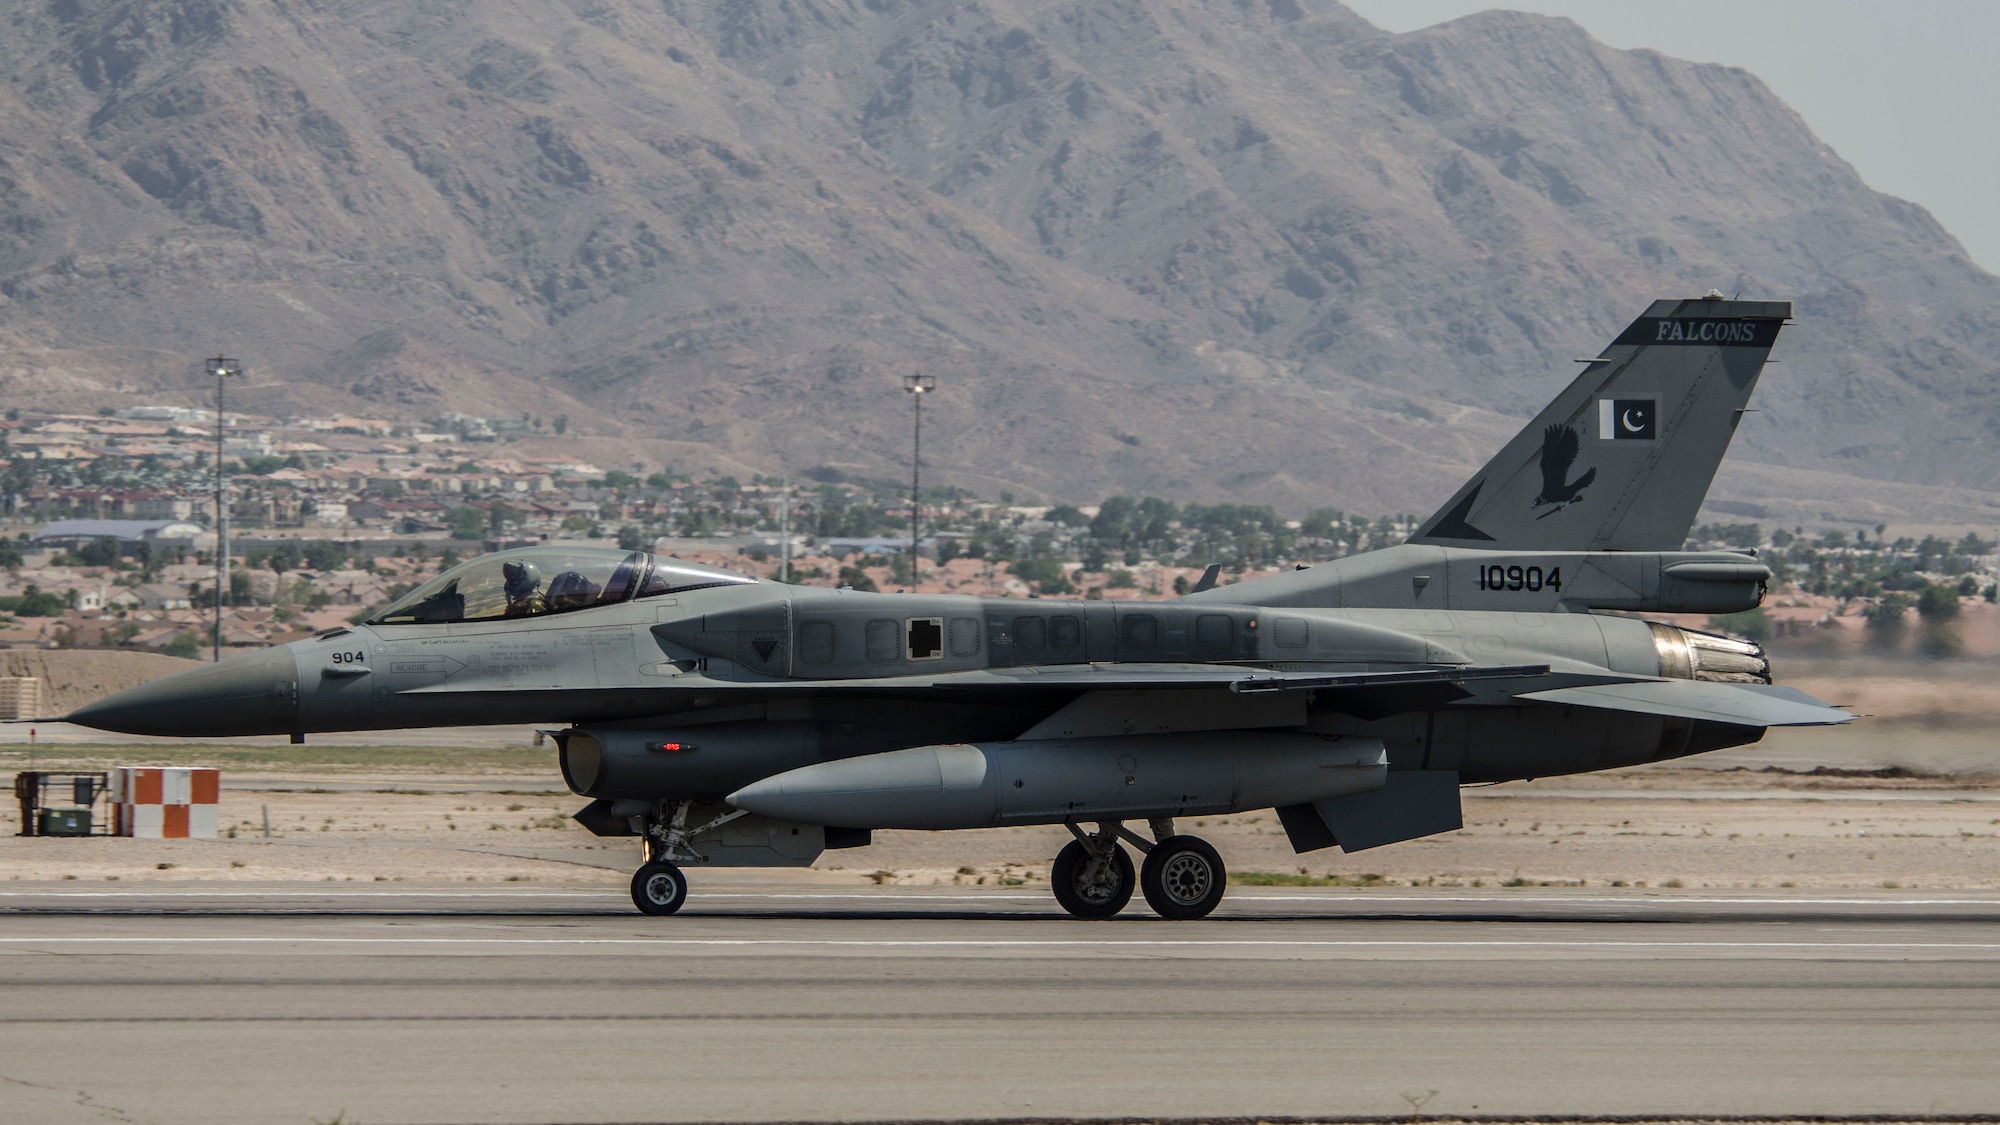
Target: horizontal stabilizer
{"points": [[1747, 705]]}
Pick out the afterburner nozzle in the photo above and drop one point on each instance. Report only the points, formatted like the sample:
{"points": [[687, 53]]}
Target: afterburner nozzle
{"points": [[257, 693]]}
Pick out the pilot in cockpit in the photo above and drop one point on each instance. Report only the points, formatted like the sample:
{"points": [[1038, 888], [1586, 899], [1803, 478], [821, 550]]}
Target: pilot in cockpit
{"points": [[524, 584]]}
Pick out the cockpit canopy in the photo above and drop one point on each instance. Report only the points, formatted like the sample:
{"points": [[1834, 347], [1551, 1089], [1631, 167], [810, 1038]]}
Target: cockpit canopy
{"points": [[533, 581]]}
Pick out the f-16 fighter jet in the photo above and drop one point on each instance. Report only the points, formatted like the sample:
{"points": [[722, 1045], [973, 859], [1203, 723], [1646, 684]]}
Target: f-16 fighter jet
{"points": [[728, 721]]}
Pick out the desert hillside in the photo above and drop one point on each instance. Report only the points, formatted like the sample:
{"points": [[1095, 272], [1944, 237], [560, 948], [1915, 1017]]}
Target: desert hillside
{"points": [[1262, 251]]}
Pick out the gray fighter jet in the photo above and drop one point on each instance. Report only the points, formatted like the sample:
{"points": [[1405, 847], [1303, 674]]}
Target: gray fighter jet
{"points": [[727, 721]]}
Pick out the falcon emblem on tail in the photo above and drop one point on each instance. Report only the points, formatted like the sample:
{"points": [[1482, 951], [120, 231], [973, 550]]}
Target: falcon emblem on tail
{"points": [[1559, 448]]}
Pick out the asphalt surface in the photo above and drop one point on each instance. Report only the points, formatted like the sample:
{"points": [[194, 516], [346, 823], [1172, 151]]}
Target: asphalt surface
{"points": [[232, 1004]]}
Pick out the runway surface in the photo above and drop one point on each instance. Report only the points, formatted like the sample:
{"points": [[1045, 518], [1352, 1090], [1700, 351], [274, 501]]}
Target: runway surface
{"points": [[232, 1004]]}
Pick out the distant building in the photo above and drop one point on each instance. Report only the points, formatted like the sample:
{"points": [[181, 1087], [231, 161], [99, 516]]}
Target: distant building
{"points": [[71, 534], [840, 547], [165, 414], [174, 508]]}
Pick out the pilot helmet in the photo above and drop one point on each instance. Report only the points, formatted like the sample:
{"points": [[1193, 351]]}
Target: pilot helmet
{"points": [[522, 577]]}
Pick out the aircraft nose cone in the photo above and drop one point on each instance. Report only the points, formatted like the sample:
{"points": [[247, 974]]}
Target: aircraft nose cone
{"points": [[257, 693]]}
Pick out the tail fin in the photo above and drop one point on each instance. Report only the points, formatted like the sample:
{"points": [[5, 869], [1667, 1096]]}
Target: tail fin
{"points": [[1621, 460]]}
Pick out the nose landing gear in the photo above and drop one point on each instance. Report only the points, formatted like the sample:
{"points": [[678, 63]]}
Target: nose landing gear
{"points": [[660, 886]]}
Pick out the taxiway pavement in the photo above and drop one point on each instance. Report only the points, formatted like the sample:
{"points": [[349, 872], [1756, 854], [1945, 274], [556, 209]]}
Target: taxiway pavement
{"points": [[234, 1004]]}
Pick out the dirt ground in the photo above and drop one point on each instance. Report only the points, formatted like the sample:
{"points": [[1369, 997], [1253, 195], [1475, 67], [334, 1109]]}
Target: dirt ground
{"points": [[1908, 798], [73, 677], [1654, 828]]}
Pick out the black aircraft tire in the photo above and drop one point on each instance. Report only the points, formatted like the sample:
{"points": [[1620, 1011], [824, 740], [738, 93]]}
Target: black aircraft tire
{"points": [[1183, 878], [659, 888], [1090, 902]]}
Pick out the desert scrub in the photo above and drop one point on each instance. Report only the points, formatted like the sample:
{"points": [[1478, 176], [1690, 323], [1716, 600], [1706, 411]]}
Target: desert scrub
{"points": [[1290, 879]]}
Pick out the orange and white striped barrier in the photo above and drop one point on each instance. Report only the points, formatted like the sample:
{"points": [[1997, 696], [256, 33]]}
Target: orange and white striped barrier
{"points": [[171, 802]]}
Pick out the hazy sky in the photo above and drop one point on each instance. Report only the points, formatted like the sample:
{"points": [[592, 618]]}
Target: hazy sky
{"points": [[1903, 91]]}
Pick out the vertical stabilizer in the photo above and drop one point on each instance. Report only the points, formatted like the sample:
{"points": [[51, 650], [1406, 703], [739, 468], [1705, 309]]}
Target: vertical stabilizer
{"points": [[1622, 459]]}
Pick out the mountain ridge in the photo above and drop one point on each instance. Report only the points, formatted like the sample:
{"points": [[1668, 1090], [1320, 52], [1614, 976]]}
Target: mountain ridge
{"points": [[1145, 247]]}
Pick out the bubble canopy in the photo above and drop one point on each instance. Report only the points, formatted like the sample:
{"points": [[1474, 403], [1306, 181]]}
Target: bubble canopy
{"points": [[536, 581]]}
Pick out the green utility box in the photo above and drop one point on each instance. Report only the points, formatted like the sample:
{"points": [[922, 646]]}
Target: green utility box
{"points": [[63, 822]]}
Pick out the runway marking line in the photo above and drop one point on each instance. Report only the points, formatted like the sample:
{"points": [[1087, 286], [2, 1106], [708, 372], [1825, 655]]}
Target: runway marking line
{"points": [[867, 896], [982, 943]]}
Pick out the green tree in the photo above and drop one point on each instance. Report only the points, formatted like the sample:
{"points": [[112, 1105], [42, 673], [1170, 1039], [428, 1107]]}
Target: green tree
{"points": [[1065, 515], [857, 578], [561, 424], [1731, 534], [1045, 572], [1321, 523], [1750, 624], [1886, 615], [323, 556], [1113, 523], [184, 644], [37, 602], [467, 523], [104, 551], [1937, 604], [630, 538]]}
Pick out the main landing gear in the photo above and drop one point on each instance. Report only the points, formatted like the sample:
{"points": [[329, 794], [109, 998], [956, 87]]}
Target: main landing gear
{"points": [[1182, 876], [660, 886]]}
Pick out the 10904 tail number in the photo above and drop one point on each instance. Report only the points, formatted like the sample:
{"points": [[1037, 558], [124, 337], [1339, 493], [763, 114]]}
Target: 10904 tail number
{"points": [[1531, 578]]}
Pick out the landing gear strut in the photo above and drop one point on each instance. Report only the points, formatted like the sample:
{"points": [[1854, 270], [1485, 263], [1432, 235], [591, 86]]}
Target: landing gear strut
{"points": [[1182, 876], [1093, 876], [659, 886]]}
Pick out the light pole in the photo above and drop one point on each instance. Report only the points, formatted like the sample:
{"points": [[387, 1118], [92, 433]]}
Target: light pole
{"points": [[785, 531], [221, 367], [918, 386]]}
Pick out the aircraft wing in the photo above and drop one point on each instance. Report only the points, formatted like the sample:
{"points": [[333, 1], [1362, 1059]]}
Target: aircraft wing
{"points": [[1123, 677], [1749, 705], [1082, 677]]}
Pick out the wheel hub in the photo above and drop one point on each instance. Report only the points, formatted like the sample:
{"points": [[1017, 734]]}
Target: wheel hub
{"points": [[1187, 878], [1097, 882], [662, 888]]}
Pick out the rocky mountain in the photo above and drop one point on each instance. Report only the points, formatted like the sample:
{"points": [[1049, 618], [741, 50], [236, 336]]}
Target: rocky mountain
{"points": [[1254, 249]]}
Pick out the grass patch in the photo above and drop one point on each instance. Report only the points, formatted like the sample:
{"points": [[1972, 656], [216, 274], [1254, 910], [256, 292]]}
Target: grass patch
{"points": [[1290, 879]]}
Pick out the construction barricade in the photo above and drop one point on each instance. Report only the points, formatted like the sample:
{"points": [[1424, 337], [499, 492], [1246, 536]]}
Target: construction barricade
{"points": [[172, 802]]}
